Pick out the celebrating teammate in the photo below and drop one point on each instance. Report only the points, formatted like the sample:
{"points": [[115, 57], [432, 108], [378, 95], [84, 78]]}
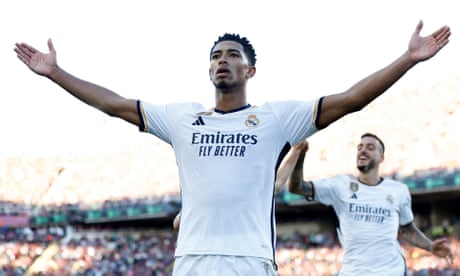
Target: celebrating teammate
{"points": [[227, 156], [371, 209]]}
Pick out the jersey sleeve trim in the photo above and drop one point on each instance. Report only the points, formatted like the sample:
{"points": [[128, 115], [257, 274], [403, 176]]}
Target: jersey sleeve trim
{"points": [[317, 113], [143, 126], [406, 224]]}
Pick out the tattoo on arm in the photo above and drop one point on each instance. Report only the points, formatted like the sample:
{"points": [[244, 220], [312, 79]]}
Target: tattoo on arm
{"points": [[296, 182], [414, 236], [302, 187], [306, 189]]}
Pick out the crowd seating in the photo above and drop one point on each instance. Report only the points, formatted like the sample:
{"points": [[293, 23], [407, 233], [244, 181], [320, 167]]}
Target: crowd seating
{"points": [[19, 247], [297, 256], [150, 252]]}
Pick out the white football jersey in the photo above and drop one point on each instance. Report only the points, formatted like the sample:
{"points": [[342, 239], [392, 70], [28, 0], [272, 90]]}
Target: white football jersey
{"points": [[227, 165], [369, 219]]}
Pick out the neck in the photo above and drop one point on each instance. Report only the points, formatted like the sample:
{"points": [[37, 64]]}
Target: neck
{"points": [[230, 100], [370, 178]]}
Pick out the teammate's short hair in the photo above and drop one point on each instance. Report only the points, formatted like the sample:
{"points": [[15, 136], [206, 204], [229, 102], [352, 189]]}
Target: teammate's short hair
{"points": [[247, 46], [368, 134]]}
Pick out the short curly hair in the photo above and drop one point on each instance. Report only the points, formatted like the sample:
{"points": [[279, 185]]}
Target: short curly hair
{"points": [[247, 46]]}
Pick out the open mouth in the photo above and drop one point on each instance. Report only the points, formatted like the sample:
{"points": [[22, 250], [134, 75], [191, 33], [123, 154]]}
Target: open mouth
{"points": [[362, 158], [222, 71]]}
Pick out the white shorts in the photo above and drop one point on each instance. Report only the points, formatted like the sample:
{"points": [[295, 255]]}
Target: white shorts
{"points": [[221, 265]]}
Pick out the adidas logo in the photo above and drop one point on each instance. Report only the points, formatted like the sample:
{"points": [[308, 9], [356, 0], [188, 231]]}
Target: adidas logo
{"points": [[354, 196], [198, 122]]}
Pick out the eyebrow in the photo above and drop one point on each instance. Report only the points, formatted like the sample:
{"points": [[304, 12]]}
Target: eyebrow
{"points": [[366, 145], [229, 50]]}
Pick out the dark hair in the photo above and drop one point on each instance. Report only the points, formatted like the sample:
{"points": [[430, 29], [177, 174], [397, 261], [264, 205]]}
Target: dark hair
{"points": [[367, 134], [247, 46]]}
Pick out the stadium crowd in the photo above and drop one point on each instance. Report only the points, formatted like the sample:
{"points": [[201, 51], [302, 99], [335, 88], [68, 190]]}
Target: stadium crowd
{"points": [[150, 252]]}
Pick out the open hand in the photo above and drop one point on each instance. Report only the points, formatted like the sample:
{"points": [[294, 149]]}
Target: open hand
{"points": [[40, 63], [422, 48], [440, 248]]}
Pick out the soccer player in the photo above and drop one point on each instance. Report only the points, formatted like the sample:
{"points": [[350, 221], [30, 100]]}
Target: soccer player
{"points": [[371, 209], [227, 156]]}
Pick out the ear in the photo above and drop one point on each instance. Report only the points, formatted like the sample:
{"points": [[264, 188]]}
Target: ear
{"points": [[382, 158], [210, 77], [251, 72]]}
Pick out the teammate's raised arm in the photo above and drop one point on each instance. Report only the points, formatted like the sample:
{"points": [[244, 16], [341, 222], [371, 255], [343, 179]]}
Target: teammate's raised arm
{"points": [[292, 170], [45, 64], [287, 166], [365, 91]]}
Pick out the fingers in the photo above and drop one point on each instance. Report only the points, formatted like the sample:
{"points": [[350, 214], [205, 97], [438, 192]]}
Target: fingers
{"points": [[443, 250], [419, 27], [29, 50], [450, 258], [442, 33], [441, 244], [50, 45], [24, 50], [303, 150], [305, 146], [23, 53], [442, 36], [21, 58], [302, 147], [440, 241]]}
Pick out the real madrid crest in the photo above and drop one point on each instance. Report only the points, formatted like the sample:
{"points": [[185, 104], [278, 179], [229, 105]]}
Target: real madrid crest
{"points": [[251, 121], [354, 186], [390, 198]]}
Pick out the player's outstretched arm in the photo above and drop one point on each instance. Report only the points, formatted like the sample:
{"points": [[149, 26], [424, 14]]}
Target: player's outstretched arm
{"points": [[45, 64], [365, 91], [293, 169], [416, 237]]}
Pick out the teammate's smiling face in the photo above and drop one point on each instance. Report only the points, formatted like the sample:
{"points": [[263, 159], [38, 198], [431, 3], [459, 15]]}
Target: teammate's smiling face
{"points": [[370, 154], [229, 66]]}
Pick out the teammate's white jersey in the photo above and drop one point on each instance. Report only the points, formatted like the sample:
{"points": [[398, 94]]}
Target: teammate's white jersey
{"points": [[227, 165], [369, 218]]}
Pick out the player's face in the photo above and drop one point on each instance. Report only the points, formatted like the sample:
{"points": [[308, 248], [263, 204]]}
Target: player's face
{"points": [[369, 154], [229, 66]]}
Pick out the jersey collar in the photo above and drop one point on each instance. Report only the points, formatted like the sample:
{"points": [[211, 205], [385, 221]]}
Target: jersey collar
{"points": [[233, 110]]}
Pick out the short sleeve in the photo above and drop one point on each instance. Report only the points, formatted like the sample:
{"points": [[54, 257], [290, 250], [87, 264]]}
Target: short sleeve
{"points": [[298, 119], [160, 120], [406, 215], [326, 189]]}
